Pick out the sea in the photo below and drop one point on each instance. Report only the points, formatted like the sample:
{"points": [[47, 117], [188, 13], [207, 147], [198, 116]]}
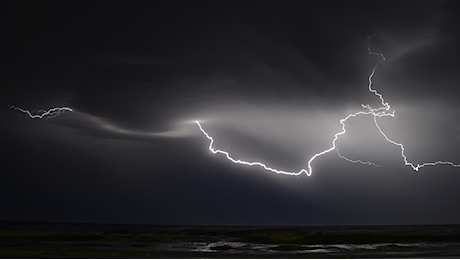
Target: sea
{"points": [[74, 240]]}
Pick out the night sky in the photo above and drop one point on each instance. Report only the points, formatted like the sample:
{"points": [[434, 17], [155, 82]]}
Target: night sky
{"points": [[268, 80]]}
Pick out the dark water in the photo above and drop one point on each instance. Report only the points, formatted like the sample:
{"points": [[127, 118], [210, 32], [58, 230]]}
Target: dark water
{"points": [[50, 240]]}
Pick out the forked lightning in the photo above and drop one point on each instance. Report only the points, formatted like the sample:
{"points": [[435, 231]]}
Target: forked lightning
{"points": [[375, 112]]}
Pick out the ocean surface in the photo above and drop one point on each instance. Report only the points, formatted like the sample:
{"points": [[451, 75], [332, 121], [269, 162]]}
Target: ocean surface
{"points": [[62, 240]]}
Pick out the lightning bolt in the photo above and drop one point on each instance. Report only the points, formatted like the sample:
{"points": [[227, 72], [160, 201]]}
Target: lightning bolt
{"points": [[53, 112], [375, 112], [415, 167], [244, 162], [356, 161]]}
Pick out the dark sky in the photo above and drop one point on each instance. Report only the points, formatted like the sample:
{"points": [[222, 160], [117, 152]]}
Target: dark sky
{"points": [[268, 80]]}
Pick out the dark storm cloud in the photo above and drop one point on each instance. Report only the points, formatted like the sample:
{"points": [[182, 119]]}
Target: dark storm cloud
{"points": [[252, 56], [269, 81]]}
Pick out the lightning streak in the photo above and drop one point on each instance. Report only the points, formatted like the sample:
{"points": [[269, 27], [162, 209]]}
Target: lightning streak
{"points": [[375, 112], [310, 169], [244, 162], [415, 167], [356, 161], [53, 112]]}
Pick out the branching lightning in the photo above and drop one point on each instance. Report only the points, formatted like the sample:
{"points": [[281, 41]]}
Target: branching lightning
{"points": [[381, 111], [415, 167], [53, 112], [375, 112]]}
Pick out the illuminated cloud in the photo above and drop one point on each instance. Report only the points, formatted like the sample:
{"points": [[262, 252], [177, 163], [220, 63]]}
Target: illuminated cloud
{"points": [[374, 112]]}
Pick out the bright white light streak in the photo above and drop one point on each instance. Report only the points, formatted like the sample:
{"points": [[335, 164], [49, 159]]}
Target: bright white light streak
{"points": [[356, 161], [244, 162], [416, 168], [53, 112], [375, 112]]}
